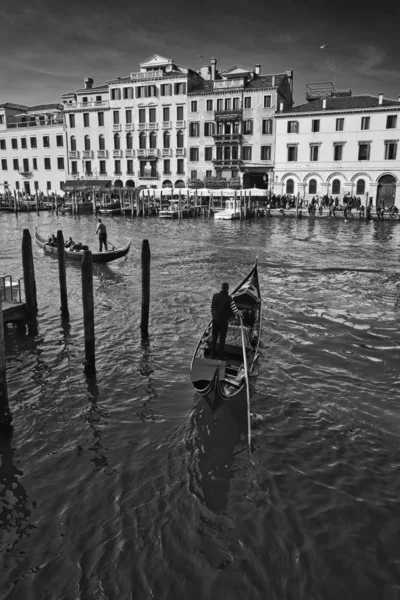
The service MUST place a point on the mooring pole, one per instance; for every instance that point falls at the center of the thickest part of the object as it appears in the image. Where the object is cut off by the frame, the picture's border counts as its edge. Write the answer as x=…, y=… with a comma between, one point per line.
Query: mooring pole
x=88, y=309
x=29, y=276
x=144, y=324
x=62, y=274
x=5, y=415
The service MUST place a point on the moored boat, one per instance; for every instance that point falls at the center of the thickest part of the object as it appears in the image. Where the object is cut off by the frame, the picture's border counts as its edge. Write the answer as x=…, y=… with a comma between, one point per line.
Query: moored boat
x=230, y=212
x=97, y=257
x=219, y=381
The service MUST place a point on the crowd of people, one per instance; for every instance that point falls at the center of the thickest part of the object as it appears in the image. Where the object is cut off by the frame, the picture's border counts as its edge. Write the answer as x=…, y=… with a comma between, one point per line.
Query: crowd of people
x=69, y=244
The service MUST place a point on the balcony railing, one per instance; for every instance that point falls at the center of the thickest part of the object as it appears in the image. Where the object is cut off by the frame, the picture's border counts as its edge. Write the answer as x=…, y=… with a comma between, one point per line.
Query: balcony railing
x=181, y=152
x=166, y=124
x=129, y=153
x=228, y=115
x=166, y=152
x=102, y=153
x=92, y=104
x=116, y=127
x=87, y=154
x=117, y=153
x=119, y=173
x=73, y=154
x=145, y=152
x=39, y=122
x=226, y=161
x=227, y=137
x=147, y=75
x=129, y=126
x=180, y=124
x=148, y=176
x=143, y=126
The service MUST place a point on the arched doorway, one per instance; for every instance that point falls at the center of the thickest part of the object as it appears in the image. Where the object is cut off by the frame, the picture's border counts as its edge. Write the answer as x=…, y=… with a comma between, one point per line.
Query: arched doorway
x=130, y=183
x=118, y=183
x=179, y=184
x=167, y=183
x=386, y=190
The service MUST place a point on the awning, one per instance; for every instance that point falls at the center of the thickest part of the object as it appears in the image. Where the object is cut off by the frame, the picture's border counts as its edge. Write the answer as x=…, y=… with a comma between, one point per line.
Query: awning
x=78, y=185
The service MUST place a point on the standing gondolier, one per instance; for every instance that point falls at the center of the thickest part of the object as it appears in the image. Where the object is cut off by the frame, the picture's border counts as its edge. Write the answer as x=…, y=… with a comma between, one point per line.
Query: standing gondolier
x=223, y=308
x=102, y=232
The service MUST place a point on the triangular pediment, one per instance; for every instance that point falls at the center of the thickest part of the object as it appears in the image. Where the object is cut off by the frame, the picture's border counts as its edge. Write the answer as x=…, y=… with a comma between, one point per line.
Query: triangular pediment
x=236, y=71
x=156, y=60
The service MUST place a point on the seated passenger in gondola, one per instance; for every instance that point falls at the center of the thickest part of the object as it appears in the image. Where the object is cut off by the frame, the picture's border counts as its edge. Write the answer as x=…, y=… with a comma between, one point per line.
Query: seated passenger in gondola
x=52, y=241
x=77, y=246
x=69, y=243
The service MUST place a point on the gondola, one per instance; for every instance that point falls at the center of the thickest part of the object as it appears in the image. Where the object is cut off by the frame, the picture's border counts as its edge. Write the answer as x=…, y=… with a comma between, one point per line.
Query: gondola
x=219, y=381
x=97, y=257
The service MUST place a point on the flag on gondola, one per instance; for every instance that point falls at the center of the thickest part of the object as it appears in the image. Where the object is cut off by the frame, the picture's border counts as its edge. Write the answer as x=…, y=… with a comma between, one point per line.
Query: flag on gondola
x=323, y=47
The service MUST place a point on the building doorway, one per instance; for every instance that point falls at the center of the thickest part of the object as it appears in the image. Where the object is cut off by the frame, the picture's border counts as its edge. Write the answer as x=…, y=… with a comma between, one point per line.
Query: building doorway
x=27, y=188
x=258, y=180
x=386, y=190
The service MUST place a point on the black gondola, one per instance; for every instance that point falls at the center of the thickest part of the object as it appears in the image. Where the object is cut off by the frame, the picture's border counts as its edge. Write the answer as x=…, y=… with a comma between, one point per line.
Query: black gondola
x=97, y=257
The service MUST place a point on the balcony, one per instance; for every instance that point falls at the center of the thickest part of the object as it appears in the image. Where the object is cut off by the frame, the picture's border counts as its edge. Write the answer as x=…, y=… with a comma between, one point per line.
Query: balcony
x=102, y=153
x=180, y=124
x=148, y=176
x=166, y=152
x=116, y=127
x=227, y=162
x=87, y=154
x=228, y=115
x=129, y=127
x=227, y=138
x=129, y=153
x=83, y=105
x=180, y=152
x=147, y=153
x=73, y=154
x=49, y=120
x=117, y=173
x=143, y=126
x=140, y=76
x=166, y=124
x=324, y=89
x=117, y=153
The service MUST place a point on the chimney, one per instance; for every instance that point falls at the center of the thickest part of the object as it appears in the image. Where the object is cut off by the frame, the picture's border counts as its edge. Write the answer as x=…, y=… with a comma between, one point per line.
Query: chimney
x=281, y=107
x=88, y=83
x=213, y=62
x=273, y=81
x=324, y=103
x=257, y=68
x=381, y=98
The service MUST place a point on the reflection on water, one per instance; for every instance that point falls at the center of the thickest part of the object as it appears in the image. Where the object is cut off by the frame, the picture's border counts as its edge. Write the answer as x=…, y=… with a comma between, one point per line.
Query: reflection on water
x=122, y=484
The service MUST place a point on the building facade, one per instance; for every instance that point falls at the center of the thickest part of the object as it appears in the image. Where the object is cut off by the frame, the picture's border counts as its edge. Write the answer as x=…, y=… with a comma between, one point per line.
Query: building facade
x=340, y=145
x=32, y=148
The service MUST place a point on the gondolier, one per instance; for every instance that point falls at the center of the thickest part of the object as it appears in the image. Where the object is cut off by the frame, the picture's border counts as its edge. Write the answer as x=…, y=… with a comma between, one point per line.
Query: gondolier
x=223, y=308
x=102, y=232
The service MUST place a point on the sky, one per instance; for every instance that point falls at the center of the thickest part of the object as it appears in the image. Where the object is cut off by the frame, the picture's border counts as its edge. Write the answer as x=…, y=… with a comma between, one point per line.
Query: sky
x=48, y=47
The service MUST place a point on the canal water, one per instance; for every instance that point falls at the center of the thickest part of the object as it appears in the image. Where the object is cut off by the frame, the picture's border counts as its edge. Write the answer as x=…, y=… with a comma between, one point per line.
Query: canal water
x=123, y=486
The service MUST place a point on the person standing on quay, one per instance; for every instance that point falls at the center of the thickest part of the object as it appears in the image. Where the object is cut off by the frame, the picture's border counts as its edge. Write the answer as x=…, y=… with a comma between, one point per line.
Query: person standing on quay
x=102, y=232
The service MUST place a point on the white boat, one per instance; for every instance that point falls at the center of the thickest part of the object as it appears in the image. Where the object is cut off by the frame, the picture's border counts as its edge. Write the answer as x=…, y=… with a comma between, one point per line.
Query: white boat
x=230, y=212
x=173, y=211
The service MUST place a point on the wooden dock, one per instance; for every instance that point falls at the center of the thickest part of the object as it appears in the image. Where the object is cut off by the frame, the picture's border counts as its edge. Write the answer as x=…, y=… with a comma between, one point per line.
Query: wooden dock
x=13, y=311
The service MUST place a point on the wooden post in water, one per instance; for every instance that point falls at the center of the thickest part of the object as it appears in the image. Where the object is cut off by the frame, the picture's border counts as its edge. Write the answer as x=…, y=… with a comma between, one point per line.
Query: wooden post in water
x=144, y=323
x=297, y=205
x=180, y=204
x=94, y=202
x=88, y=310
x=15, y=203
x=29, y=275
x=37, y=202
x=5, y=415
x=62, y=274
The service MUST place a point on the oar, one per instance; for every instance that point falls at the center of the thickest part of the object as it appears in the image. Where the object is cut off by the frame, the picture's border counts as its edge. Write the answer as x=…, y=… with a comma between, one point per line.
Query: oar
x=247, y=386
x=111, y=244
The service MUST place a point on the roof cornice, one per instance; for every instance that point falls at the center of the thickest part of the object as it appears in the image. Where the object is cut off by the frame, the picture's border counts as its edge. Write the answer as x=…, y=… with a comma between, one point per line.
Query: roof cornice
x=327, y=111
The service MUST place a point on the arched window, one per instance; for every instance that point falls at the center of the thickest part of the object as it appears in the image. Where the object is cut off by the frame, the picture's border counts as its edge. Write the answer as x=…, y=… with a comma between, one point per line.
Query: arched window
x=73, y=143
x=142, y=140
x=312, y=186
x=360, y=188
x=290, y=186
x=87, y=142
x=179, y=139
x=102, y=144
x=117, y=142
x=153, y=139
x=336, y=186
x=166, y=140
x=129, y=141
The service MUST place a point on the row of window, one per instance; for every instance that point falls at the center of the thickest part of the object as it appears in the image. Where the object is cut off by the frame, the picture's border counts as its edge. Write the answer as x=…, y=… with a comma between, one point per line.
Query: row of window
x=335, y=189
x=294, y=127
x=144, y=139
x=364, y=151
x=32, y=142
x=229, y=153
x=102, y=170
x=25, y=164
x=150, y=113
x=229, y=103
x=27, y=185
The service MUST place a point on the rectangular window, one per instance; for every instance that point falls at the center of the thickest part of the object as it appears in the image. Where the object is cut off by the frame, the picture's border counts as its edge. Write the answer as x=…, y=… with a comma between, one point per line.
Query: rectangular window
x=265, y=152
x=236, y=103
x=292, y=153
x=338, y=152
x=179, y=113
x=314, y=152
x=267, y=126
x=167, y=167
x=293, y=127
x=208, y=174
x=193, y=106
x=220, y=104
x=46, y=141
x=166, y=89
x=102, y=165
x=208, y=128
x=59, y=141
x=36, y=185
x=15, y=164
x=47, y=164
x=363, y=151
x=60, y=162
x=180, y=166
x=267, y=101
x=227, y=153
x=180, y=88
x=34, y=164
x=315, y=125
x=88, y=167
x=194, y=129
x=365, y=122
x=72, y=121
x=2, y=144
x=152, y=115
x=128, y=93
x=129, y=167
x=17, y=185
x=246, y=152
x=193, y=175
x=74, y=167
x=117, y=167
x=25, y=163
x=116, y=117
x=209, y=105
x=1, y=119
x=248, y=127
x=166, y=113
x=128, y=115
x=14, y=144
x=247, y=102
x=48, y=185
x=86, y=122
x=390, y=150
x=33, y=142
x=219, y=152
x=208, y=152
x=228, y=104
x=100, y=119
x=391, y=121
x=142, y=115
x=339, y=124
x=24, y=144
x=115, y=94
x=194, y=154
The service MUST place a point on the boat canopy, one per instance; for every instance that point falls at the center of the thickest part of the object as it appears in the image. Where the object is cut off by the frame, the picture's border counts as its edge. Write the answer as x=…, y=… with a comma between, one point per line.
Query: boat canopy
x=79, y=185
x=191, y=193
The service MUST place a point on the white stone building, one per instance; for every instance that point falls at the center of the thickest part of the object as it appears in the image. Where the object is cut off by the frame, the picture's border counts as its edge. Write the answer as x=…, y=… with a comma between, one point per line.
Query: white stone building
x=337, y=145
x=32, y=148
